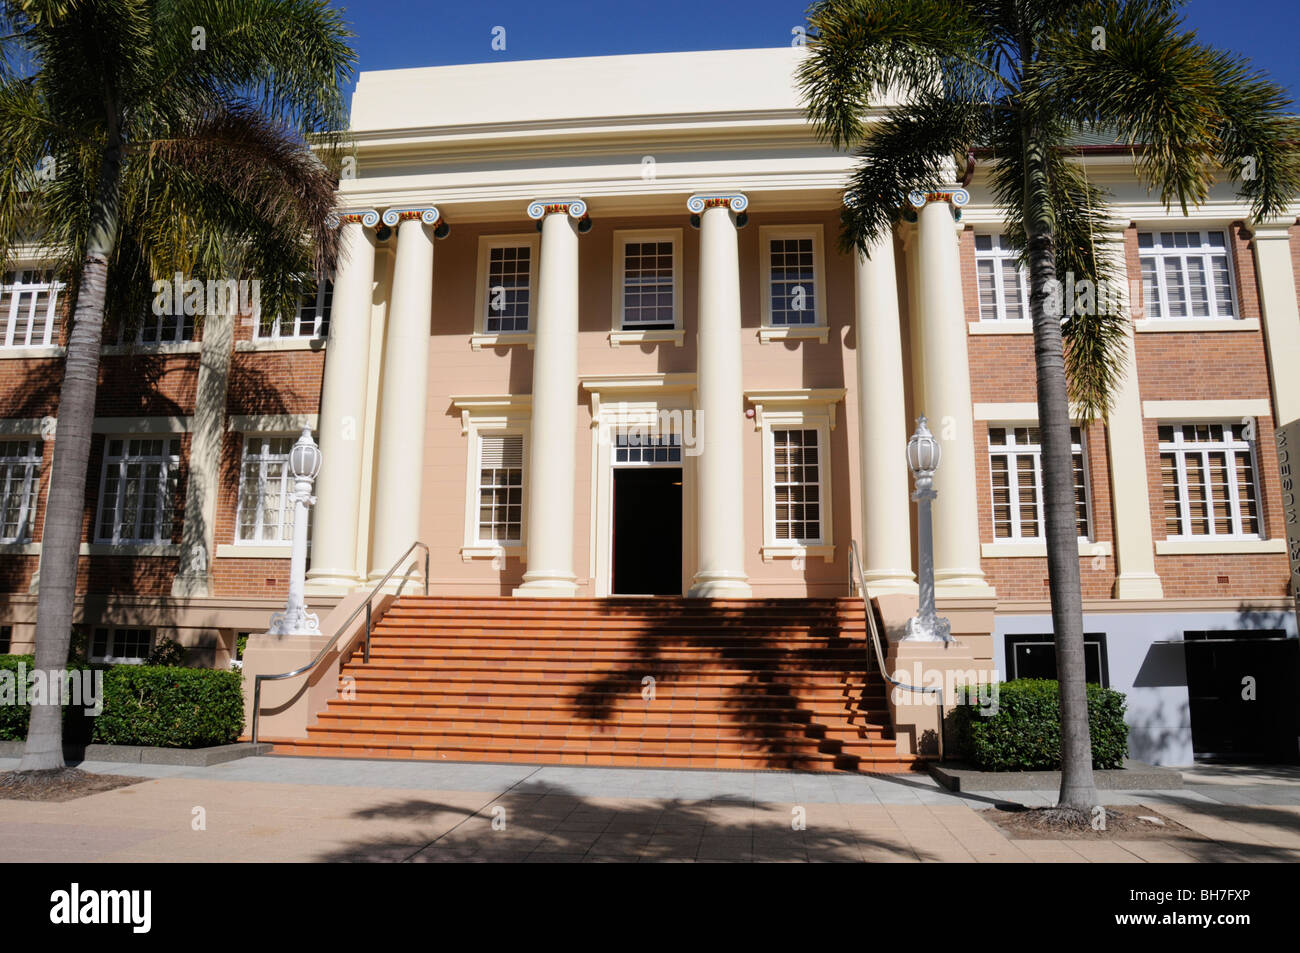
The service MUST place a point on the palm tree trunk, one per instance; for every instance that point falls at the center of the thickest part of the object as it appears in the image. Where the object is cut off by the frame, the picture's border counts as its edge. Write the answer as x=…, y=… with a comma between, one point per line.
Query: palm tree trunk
x=65, y=505
x=1078, y=789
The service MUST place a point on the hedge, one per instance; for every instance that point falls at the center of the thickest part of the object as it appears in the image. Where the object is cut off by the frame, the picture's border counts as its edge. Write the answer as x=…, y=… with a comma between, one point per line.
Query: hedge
x=1025, y=732
x=168, y=707
x=14, y=717
x=158, y=706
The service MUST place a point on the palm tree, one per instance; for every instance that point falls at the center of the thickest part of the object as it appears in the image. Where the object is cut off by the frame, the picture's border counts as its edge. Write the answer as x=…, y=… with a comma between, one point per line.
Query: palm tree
x=1020, y=80
x=145, y=138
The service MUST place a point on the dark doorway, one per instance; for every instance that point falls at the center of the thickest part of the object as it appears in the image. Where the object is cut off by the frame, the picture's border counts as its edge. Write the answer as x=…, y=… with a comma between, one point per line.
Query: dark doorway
x=1224, y=668
x=647, y=531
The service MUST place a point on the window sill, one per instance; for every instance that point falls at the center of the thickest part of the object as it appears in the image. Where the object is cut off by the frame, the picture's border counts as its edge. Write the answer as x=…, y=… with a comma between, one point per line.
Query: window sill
x=130, y=549
x=480, y=341
x=1218, y=547
x=1148, y=325
x=1000, y=327
x=281, y=344
x=20, y=549
x=468, y=553
x=37, y=350
x=254, y=551
x=1015, y=549
x=166, y=347
x=619, y=338
x=826, y=552
x=819, y=331
x=116, y=660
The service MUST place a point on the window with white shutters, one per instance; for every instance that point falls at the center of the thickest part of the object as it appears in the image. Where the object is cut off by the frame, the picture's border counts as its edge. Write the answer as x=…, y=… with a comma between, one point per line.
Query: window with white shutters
x=1208, y=475
x=29, y=308
x=1186, y=275
x=501, y=489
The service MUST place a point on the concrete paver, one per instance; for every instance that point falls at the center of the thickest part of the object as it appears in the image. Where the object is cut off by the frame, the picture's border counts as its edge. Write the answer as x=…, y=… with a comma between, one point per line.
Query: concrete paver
x=299, y=809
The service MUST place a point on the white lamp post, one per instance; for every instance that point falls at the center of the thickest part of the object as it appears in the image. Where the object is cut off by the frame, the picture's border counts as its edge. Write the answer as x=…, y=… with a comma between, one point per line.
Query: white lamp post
x=304, y=464
x=923, y=459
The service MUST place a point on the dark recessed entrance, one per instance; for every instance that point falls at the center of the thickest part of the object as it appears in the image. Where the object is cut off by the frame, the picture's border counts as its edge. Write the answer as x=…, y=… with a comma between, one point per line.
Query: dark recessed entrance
x=1242, y=686
x=647, y=531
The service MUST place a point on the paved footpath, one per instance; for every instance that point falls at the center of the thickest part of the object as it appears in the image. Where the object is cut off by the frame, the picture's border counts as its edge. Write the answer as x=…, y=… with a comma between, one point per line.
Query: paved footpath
x=308, y=809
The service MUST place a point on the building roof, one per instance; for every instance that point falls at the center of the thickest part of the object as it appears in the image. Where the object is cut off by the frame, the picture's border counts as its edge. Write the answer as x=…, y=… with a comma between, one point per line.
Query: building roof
x=581, y=88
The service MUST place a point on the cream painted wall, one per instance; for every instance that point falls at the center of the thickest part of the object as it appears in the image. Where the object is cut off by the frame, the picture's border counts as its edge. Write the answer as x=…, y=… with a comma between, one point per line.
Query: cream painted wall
x=457, y=370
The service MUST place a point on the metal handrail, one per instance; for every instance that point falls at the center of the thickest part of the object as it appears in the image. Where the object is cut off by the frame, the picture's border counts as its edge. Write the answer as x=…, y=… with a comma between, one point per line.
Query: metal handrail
x=859, y=579
x=257, y=681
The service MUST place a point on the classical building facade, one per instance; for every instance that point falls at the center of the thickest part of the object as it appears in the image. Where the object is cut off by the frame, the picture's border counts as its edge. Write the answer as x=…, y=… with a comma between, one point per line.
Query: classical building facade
x=591, y=334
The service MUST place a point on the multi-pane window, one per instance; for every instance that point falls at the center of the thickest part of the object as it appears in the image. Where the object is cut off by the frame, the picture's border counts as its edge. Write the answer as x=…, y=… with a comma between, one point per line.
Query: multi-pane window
x=20, y=479
x=792, y=281
x=6, y=638
x=501, y=489
x=637, y=446
x=138, y=491
x=648, y=285
x=509, y=269
x=311, y=317
x=1186, y=275
x=1016, y=462
x=121, y=645
x=1003, y=288
x=265, y=485
x=796, y=485
x=1208, y=475
x=164, y=327
x=28, y=306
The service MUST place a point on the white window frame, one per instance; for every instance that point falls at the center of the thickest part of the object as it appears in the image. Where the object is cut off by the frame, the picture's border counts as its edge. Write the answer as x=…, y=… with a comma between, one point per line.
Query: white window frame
x=1229, y=447
x=482, y=337
x=622, y=333
x=479, y=541
x=111, y=644
x=286, y=490
x=324, y=288
x=805, y=409
x=1205, y=252
x=1002, y=257
x=169, y=462
x=492, y=415
x=1035, y=451
x=19, y=292
x=819, y=328
x=30, y=487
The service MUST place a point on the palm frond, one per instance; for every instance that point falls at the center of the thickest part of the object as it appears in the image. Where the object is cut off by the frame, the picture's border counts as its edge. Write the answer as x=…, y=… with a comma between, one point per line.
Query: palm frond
x=861, y=51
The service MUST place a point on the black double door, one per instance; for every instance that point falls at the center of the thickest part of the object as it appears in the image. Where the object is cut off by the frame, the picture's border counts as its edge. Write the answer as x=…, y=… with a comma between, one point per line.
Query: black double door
x=1244, y=694
x=647, y=531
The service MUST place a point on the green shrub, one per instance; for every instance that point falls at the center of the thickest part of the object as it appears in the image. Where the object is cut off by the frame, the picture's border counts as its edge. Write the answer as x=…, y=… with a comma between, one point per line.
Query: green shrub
x=170, y=707
x=167, y=652
x=1025, y=733
x=14, y=717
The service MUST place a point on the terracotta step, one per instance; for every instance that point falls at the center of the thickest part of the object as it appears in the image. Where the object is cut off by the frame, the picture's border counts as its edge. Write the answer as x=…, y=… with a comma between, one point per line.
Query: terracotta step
x=877, y=763
x=772, y=683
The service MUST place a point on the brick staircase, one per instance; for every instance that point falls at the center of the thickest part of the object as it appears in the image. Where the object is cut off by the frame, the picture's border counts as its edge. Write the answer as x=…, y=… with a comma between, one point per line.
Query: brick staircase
x=774, y=683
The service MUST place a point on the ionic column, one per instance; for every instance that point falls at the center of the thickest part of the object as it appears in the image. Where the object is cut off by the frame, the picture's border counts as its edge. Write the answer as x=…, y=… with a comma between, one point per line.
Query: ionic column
x=882, y=425
x=343, y=409
x=1135, y=559
x=946, y=399
x=1277, y=303
x=553, y=438
x=720, y=467
x=399, y=476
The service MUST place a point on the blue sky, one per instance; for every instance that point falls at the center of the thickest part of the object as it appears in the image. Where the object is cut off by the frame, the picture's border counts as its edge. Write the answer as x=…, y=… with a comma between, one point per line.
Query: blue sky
x=402, y=33
x=408, y=33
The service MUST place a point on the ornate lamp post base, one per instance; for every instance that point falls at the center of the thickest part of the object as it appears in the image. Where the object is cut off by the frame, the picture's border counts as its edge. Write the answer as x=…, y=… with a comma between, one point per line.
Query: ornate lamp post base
x=933, y=629
x=299, y=622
